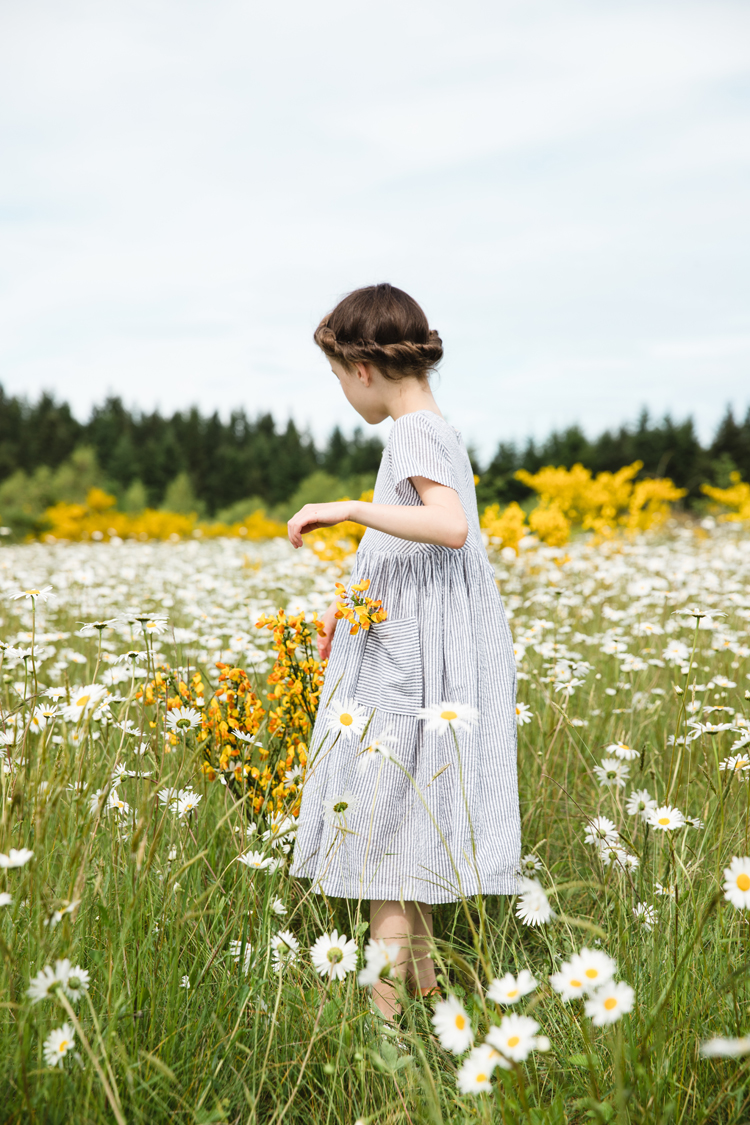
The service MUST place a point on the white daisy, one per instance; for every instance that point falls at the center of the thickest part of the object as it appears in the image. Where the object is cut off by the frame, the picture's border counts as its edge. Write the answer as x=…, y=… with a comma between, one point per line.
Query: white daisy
x=381, y=959
x=41, y=595
x=666, y=818
x=381, y=748
x=183, y=719
x=347, y=718
x=76, y=982
x=622, y=751
x=530, y=864
x=516, y=1037
x=42, y=985
x=612, y=772
x=58, y=1043
x=593, y=966
x=510, y=989
x=599, y=830
x=235, y=952
x=443, y=716
x=334, y=956
x=524, y=714
x=257, y=860
x=278, y=907
x=639, y=803
x=285, y=949
x=187, y=803
x=533, y=907
x=721, y=1048
x=473, y=1075
x=5, y=898
x=452, y=1025
x=737, y=882
x=83, y=702
x=569, y=981
x=645, y=915
x=16, y=857
x=339, y=811
x=737, y=763
x=609, y=1003
x=185, y=982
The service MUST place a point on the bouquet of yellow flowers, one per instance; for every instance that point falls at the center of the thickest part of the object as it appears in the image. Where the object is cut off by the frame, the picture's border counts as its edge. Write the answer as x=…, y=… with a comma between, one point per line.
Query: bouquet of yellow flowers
x=360, y=611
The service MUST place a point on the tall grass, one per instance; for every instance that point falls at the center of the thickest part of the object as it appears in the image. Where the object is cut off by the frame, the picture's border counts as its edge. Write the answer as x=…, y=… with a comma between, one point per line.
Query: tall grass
x=160, y=897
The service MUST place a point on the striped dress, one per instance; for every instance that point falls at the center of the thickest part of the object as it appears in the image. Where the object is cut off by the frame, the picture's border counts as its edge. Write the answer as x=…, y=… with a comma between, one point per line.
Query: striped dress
x=443, y=821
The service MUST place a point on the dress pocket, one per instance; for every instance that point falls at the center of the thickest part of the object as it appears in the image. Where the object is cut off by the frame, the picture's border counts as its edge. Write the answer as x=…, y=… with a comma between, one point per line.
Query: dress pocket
x=390, y=675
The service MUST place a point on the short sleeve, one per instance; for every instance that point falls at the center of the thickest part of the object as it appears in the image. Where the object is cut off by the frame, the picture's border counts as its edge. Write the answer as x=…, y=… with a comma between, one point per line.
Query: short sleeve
x=418, y=449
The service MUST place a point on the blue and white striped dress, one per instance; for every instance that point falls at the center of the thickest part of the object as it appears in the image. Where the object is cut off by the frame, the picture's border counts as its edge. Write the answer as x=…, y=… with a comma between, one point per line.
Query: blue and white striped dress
x=445, y=823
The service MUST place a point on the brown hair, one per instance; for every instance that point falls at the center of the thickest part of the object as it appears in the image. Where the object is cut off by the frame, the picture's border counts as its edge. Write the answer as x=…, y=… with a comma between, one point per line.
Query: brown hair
x=382, y=325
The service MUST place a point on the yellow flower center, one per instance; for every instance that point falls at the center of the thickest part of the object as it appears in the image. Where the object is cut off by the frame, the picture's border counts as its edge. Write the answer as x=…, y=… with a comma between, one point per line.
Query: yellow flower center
x=743, y=882
x=31, y=593
x=460, y=1023
x=575, y=984
x=83, y=701
x=513, y=992
x=63, y=1046
x=513, y=1041
x=592, y=974
x=481, y=1077
x=449, y=716
x=346, y=720
x=663, y=820
x=610, y=1003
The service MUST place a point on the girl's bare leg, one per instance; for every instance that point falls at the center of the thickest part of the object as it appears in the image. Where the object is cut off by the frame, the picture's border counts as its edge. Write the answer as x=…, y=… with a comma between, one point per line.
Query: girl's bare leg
x=411, y=928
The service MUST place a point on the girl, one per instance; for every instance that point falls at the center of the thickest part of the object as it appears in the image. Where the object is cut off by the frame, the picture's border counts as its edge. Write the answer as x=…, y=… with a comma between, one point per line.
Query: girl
x=411, y=792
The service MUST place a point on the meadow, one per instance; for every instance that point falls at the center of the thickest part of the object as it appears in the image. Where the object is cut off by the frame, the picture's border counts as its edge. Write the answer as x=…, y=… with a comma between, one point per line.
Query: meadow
x=158, y=962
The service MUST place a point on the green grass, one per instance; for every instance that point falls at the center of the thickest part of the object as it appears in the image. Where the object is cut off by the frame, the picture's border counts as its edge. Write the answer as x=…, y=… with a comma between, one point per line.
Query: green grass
x=272, y=1047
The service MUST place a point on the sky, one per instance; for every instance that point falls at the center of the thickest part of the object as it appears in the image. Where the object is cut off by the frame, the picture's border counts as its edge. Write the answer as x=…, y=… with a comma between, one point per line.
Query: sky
x=187, y=186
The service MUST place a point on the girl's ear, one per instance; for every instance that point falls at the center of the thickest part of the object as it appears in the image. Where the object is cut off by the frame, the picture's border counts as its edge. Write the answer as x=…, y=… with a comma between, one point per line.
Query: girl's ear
x=364, y=374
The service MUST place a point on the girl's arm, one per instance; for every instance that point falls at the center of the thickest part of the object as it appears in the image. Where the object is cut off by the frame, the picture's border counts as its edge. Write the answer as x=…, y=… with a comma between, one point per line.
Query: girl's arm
x=440, y=519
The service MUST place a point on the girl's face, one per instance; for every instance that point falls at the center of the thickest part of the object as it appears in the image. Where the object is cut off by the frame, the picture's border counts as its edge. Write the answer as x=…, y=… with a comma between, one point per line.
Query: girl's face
x=365, y=390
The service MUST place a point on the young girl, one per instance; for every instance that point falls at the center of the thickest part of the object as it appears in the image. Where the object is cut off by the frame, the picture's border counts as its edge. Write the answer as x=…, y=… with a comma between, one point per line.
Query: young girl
x=411, y=792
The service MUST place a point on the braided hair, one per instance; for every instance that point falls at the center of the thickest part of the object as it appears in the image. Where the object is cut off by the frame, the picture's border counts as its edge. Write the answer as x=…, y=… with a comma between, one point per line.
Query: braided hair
x=382, y=325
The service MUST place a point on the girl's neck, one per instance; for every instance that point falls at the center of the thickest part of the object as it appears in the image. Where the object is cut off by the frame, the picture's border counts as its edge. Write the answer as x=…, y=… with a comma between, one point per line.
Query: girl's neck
x=412, y=395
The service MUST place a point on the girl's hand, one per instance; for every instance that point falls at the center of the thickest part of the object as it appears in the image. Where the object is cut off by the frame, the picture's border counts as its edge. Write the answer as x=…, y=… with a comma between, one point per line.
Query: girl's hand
x=330, y=621
x=313, y=516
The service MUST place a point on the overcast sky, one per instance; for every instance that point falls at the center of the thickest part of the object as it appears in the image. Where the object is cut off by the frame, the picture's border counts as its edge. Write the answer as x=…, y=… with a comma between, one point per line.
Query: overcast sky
x=188, y=185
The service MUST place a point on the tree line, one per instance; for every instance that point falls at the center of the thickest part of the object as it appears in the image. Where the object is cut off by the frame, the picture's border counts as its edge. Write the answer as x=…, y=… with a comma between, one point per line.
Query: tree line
x=226, y=467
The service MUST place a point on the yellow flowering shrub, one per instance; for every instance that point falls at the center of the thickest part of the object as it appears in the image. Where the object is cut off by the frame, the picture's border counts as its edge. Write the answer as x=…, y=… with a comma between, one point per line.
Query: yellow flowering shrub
x=506, y=528
x=363, y=611
x=335, y=544
x=549, y=524
x=98, y=518
x=737, y=496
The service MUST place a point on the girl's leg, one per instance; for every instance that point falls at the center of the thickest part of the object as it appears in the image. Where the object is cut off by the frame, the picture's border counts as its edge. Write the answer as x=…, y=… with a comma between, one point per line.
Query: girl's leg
x=389, y=923
x=422, y=966
x=411, y=927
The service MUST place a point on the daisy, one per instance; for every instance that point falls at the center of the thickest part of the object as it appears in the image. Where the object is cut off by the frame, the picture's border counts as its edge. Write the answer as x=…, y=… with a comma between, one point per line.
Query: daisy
x=666, y=818
x=622, y=751
x=380, y=960
x=737, y=882
x=721, y=1048
x=167, y=796
x=43, y=594
x=509, y=989
x=516, y=1037
x=452, y=1025
x=16, y=857
x=185, y=982
x=280, y=828
x=738, y=762
x=599, y=830
x=76, y=981
x=645, y=915
x=278, y=907
x=694, y=822
x=568, y=981
x=285, y=948
x=235, y=952
x=183, y=719
x=473, y=1076
x=609, y=1002
x=334, y=956
x=337, y=811
x=347, y=718
x=153, y=624
x=5, y=898
x=42, y=985
x=661, y=890
x=442, y=716
x=83, y=702
x=255, y=859
x=593, y=966
x=612, y=772
x=524, y=714
x=639, y=803
x=132, y=656
x=530, y=864
x=533, y=906
x=676, y=652
x=41, y=716
x=612, y=853
x=379, y=748
x=187, y=802
x=58, y=1043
